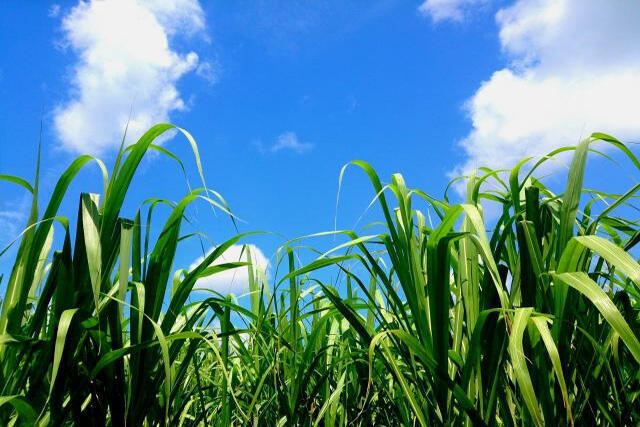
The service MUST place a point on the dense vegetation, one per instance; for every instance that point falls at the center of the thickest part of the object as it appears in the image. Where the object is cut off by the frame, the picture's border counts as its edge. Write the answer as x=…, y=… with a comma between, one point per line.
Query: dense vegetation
x=432, y=320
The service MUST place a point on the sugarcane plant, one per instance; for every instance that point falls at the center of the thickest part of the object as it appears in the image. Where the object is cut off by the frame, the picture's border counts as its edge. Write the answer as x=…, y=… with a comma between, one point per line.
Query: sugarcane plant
x=435, y=316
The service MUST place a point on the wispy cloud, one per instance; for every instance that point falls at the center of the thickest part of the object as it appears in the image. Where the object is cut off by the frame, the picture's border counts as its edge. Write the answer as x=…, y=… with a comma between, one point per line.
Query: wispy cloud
x=13, y=218
x=452, y=10
x=125, y=63
x=207, y=71
x=287, y=141
x=54, y=10
x=10, y=222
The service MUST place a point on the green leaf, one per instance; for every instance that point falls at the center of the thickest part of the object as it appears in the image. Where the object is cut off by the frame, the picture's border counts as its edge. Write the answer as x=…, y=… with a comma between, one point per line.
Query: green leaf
x=22, y=407
x=518, y=361
x=590, y=289
x=61, y=336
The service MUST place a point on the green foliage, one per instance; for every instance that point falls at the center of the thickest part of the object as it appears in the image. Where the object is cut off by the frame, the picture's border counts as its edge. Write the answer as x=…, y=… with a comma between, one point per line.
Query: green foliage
x=534, y=322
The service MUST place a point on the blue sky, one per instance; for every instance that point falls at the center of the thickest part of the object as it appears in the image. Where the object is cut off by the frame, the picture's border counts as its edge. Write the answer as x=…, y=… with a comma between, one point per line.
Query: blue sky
x=280, y=95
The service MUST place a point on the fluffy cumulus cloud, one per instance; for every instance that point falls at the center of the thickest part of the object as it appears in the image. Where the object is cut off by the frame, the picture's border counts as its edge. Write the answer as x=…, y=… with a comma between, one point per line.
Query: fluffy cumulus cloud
x=235, y=280
x=574, y=69
x=125, y=67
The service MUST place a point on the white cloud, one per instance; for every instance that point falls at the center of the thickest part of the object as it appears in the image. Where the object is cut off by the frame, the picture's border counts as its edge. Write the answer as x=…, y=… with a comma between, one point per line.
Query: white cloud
x=575, y=69
x=454, y=10
x=125, y=62
x=290, y=141
x=235, y=280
